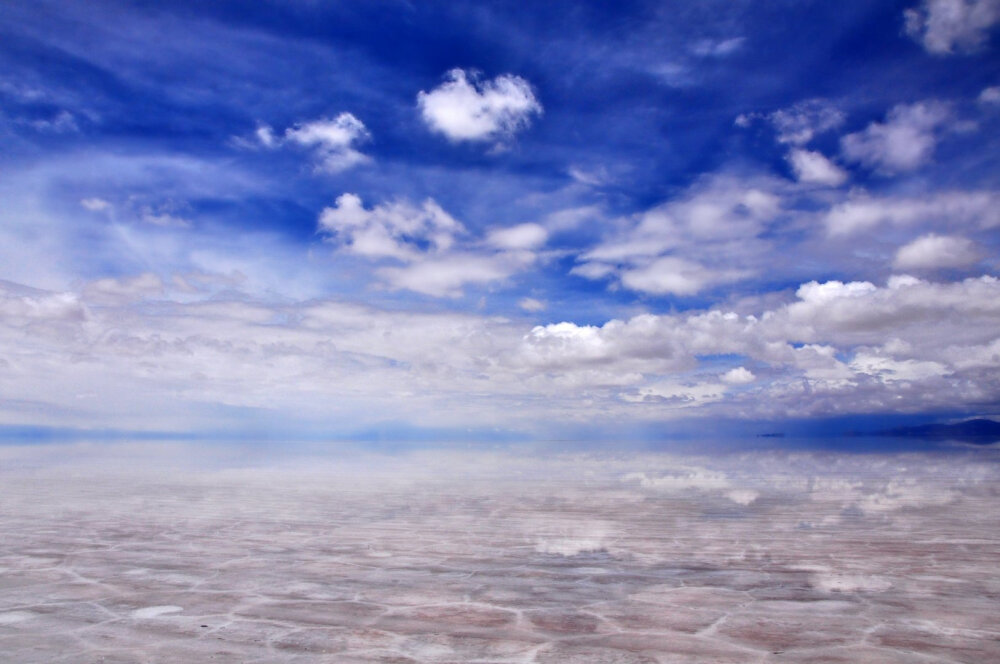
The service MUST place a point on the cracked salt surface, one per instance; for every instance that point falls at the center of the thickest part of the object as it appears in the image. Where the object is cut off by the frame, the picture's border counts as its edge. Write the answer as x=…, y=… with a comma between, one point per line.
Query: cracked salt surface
x=154, y=611
x=435, y=557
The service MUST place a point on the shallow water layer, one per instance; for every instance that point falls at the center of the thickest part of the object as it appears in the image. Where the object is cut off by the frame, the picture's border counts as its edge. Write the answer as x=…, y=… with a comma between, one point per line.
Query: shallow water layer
x=139, y=554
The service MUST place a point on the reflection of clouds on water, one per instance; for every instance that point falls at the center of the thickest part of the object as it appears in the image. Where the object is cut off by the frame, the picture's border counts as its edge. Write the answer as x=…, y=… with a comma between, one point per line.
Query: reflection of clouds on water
x=436, y=556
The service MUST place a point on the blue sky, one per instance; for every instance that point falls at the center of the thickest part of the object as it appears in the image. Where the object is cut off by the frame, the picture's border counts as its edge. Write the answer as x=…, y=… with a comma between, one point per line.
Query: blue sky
x=332, y=218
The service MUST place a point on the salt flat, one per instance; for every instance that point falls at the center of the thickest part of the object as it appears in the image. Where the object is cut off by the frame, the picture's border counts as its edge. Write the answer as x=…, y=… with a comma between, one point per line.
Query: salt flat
x=152, y=553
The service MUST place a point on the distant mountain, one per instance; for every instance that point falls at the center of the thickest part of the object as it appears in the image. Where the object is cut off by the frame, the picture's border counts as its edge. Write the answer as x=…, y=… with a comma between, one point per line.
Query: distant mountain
x=979, y=431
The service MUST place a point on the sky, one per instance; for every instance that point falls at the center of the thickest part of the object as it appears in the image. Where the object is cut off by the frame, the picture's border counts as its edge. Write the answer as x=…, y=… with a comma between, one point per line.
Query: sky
x=496, y=219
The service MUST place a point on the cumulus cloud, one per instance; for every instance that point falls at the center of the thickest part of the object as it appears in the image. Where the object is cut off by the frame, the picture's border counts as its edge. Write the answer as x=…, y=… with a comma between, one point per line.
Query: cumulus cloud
x=522, y=236
x=990, y=95
x=334, y=141
x=705, y=237
x=932, y=251
x=531, y=304
x=835, y=347
x=800, y=123
x=444, y=276
x=465, y=108
x=887, y=369
x=679, y=394
x=863, y=212
x=427, y=240
x=813, y=168
x=397, y=230
x=738, y=376
x=952, y=26
x=905, y=141
x=831, y=339
x=677, y=276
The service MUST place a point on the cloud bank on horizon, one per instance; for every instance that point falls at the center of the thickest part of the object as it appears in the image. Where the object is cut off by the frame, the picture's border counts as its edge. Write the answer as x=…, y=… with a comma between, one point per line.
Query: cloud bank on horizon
x=329, y=217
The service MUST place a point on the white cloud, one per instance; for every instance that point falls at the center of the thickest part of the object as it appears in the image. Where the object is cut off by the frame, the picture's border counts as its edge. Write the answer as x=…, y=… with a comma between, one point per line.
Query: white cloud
x=990, y=95
x=887, y=369
x=61, y=123
x=333, y=139
x=444, y=276
x=813, y=168
x=674, y=74
x=180, y=356
x=862, y=212
x=949, y=26
x=677, y=276
x=163, y=219
x=522, y=236
x=95, y=204
x=531, y=304
x=119, y=291
x=905, y=141
x=570, y=218
x=830, y=339
x=21, y=307
x=707, y=236
x=936, y=251
x=265, y=136
x=593, y=270
x=800, y=123
x=561, y=344
x=597, y=177
x=427, y=240
x=463, y=108
x=397, y=230
x=717, y=47
x=738, y=376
